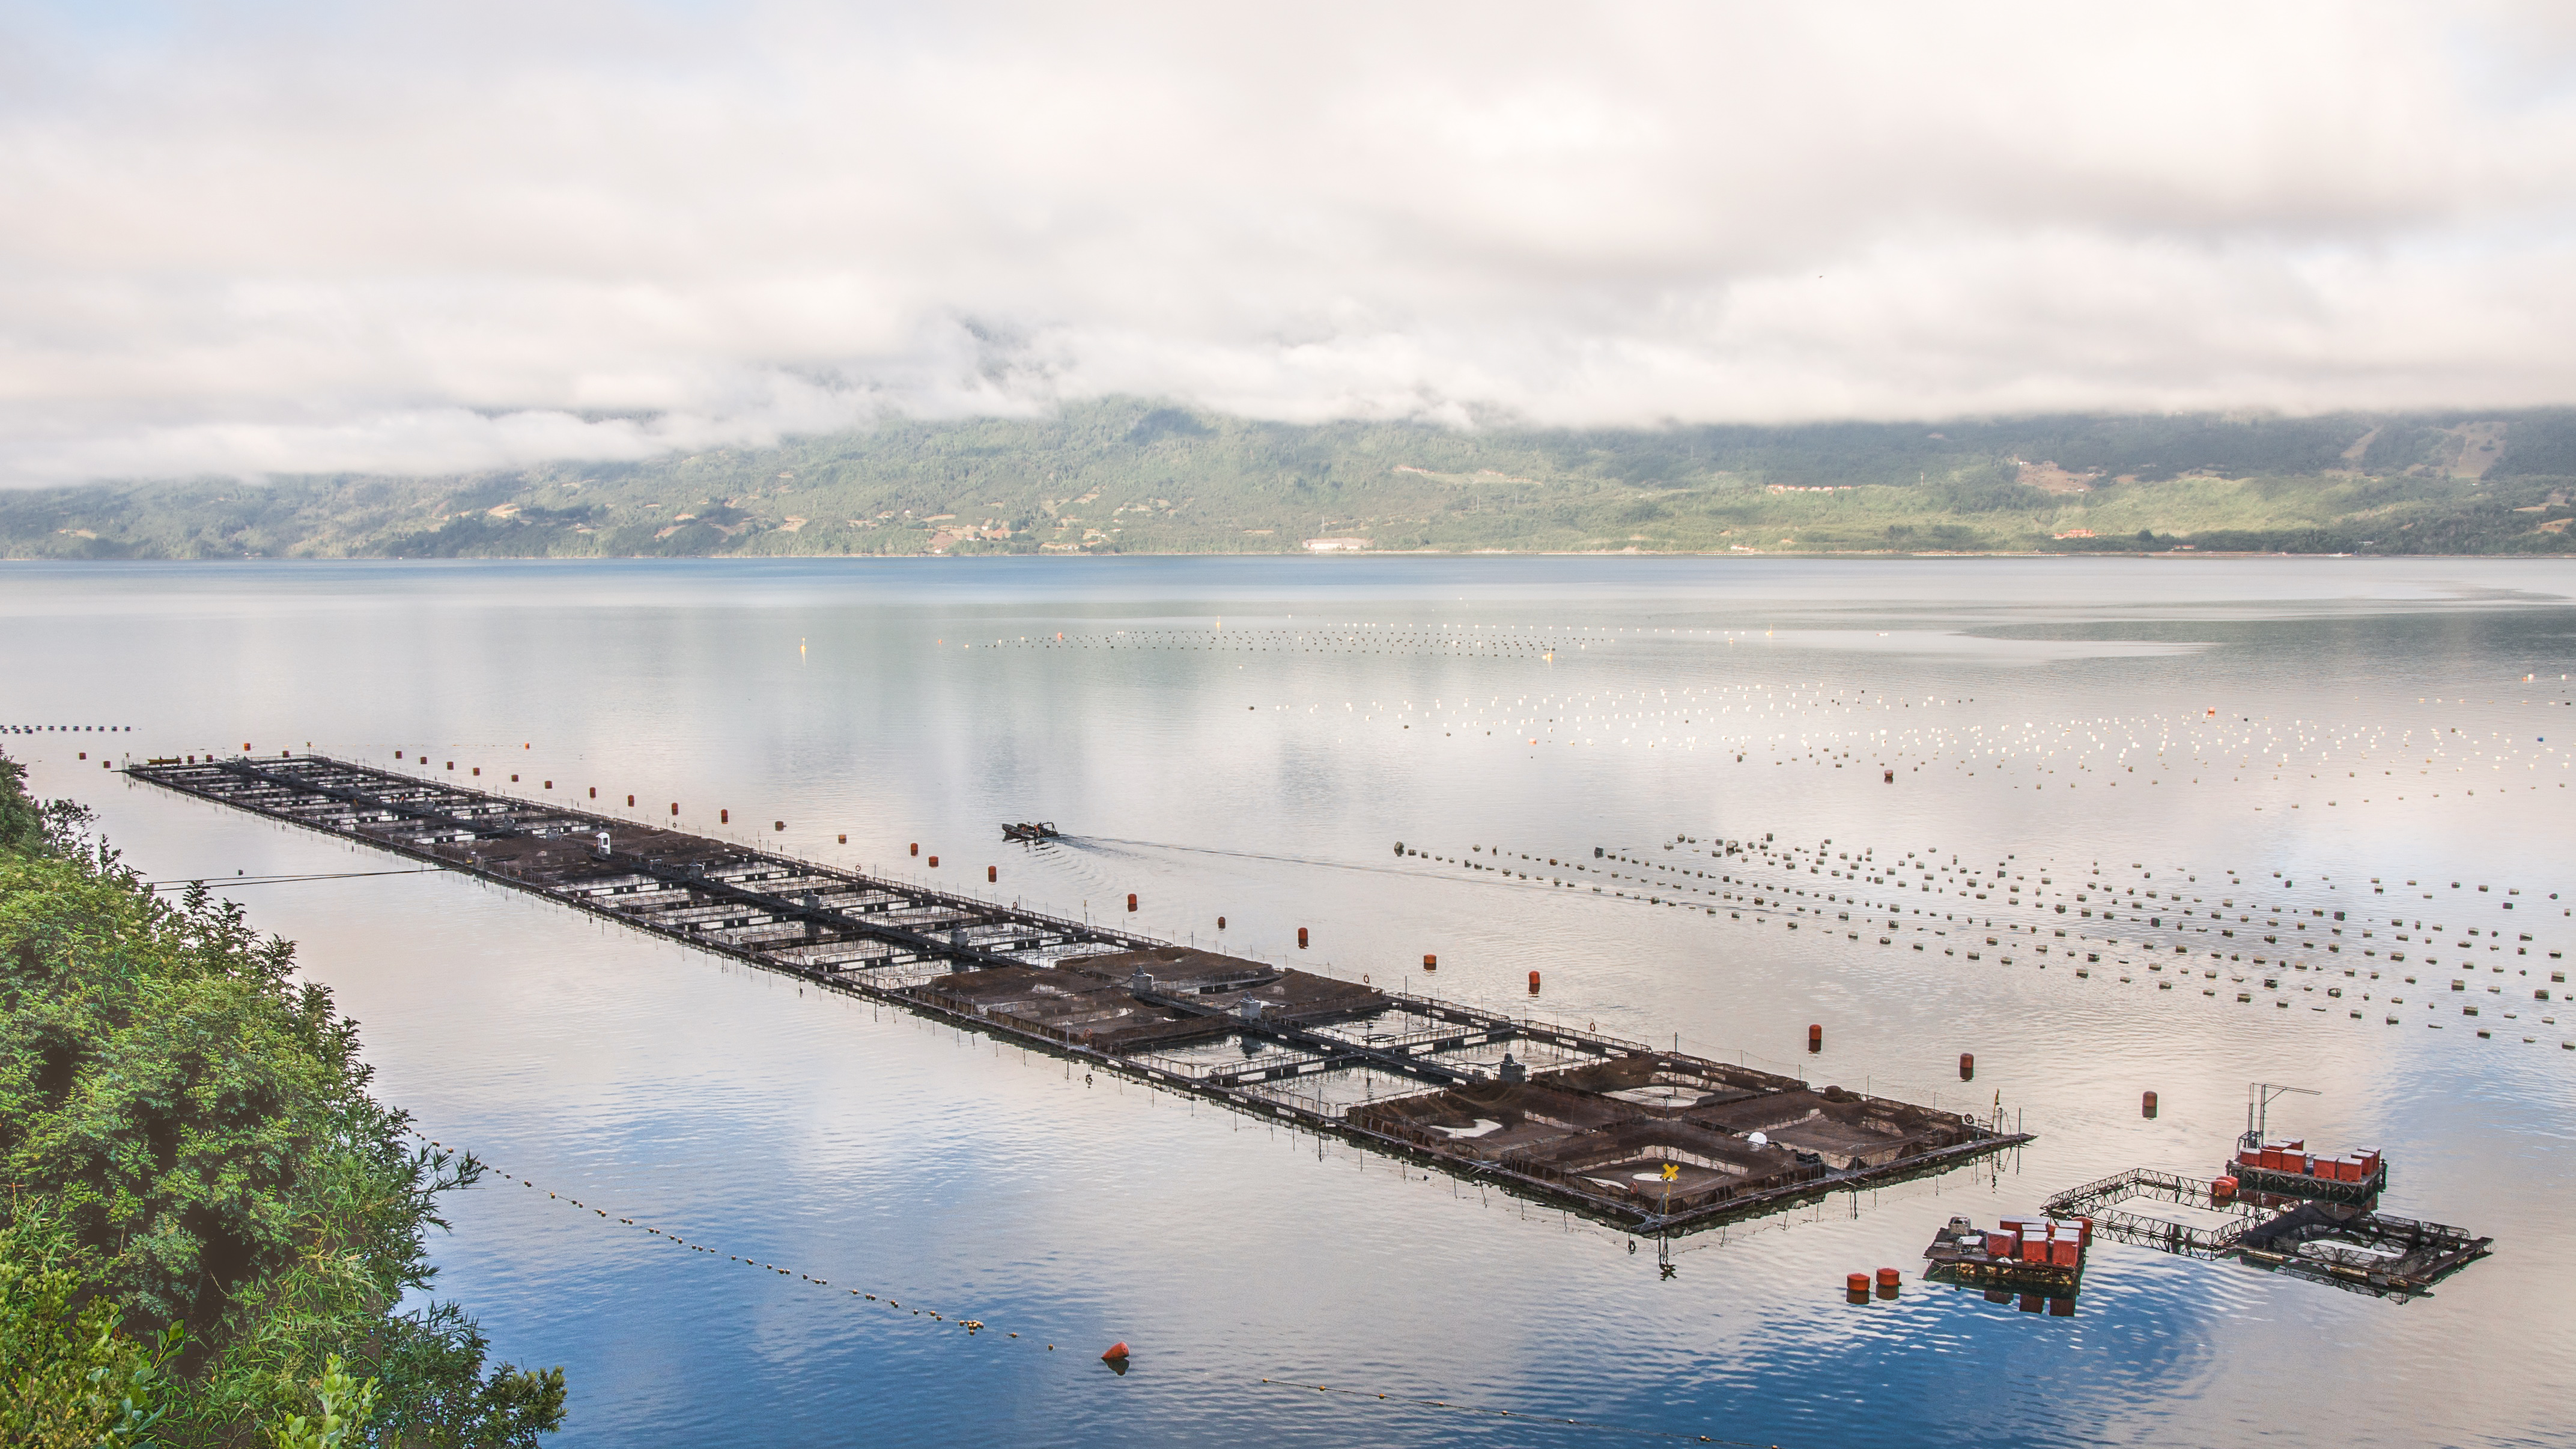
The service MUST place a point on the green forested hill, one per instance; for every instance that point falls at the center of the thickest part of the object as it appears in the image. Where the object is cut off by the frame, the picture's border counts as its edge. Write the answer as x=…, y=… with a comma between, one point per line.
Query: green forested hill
x=1134, y=476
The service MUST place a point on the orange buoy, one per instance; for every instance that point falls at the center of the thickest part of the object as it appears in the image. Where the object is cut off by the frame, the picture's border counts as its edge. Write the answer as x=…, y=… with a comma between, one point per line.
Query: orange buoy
x=992, y=873
x=1430, y=962
x=934, y=862
x=1117, y=1350
x=1815, y=1038
x=724, y=817
x=1967, y=1066
x=1533, y=983
x=1890, y=1278
x=1301, y=938
x=1131, y=901
x=916, y=847
x=2147, y=1105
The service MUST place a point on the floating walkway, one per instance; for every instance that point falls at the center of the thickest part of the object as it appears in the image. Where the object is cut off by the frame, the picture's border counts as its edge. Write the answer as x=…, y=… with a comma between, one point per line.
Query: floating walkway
x=1618, y=1130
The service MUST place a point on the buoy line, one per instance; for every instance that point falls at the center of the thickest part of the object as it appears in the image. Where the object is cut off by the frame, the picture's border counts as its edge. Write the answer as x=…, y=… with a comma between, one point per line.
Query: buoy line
x=973, y=1326
x=1527, y=1418
x=212, y=882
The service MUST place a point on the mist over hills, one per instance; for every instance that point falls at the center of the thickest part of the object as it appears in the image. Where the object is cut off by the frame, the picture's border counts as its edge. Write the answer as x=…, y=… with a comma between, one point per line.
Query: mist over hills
x=1130, y=475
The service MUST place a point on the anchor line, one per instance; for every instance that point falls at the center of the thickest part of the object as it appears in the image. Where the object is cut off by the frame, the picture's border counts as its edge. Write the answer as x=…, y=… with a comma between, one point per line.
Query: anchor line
x=215, y=882
x=1524, y=1417
x=973, y=1326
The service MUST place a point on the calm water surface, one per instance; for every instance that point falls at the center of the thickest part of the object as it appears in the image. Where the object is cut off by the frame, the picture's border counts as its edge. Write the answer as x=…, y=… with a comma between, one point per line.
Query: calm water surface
x=1249, y=739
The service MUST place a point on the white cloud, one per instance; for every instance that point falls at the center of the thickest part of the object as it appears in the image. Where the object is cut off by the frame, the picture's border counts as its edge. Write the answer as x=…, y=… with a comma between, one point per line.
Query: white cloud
x=396, y=240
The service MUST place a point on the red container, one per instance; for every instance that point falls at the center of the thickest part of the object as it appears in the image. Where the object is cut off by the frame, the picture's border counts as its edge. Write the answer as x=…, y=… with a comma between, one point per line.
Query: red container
x=2003, y=1245
x=2065, y=1254
x=2268, y=1159
x=2034, y=1250
x=2249, y=1157
x=2084, y=1231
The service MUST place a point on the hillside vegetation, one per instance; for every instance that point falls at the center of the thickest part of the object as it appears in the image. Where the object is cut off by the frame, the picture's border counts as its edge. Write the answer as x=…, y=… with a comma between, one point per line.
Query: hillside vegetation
x=1133, y=476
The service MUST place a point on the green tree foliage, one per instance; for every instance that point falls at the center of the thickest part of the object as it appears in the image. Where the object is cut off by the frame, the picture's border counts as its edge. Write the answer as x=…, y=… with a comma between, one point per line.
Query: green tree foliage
x=190, y=1127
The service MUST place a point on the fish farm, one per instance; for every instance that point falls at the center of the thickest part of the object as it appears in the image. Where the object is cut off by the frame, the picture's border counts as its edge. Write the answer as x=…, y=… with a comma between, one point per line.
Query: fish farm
x=1617, y=1130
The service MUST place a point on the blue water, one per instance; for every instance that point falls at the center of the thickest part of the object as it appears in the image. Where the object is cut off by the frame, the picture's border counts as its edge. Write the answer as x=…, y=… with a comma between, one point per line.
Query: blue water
x=1229, y=754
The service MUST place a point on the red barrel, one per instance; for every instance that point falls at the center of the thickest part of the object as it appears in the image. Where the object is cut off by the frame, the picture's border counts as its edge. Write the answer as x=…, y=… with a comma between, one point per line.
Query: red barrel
x=1533, y=983
x=1131, y=901
x=2147, y=1105
x=1890, y=1278
x=1815, y=1038
x=992, y=873
x=1857, y=1285
x=1967, y=1066
x=1301, y=938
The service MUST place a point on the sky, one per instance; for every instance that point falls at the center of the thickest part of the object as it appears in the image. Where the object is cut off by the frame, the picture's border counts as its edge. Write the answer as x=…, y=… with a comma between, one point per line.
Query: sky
x=253, y=238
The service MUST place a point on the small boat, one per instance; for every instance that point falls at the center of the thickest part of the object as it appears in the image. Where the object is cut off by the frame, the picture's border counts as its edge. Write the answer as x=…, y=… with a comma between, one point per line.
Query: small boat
x=1031, y=830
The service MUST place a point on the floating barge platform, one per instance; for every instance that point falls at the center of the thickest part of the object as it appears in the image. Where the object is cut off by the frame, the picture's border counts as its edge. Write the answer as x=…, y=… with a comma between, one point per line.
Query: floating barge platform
x=1620, y=1131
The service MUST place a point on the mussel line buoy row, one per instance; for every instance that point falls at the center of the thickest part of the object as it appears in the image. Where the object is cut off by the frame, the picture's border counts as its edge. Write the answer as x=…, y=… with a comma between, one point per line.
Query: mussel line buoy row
x=1118, y=1353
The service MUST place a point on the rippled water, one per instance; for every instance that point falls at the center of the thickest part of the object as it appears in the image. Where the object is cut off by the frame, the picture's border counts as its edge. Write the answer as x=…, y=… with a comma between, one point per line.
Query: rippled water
x=1249, y=739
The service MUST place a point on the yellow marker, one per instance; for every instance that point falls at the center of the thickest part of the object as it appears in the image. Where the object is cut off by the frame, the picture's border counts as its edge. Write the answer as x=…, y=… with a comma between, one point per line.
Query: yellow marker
x=1671, y=1172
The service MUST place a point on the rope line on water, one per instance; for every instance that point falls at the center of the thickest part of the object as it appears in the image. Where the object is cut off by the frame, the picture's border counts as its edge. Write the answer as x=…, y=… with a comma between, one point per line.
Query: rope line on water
x=212, y=882
x=973, y=1326
x=1524, y=1417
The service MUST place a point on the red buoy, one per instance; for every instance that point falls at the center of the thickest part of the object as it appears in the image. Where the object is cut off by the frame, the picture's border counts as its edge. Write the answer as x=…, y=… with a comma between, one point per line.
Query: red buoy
x=724, y=817
x=1967, y=1066
x=1117, y=1350
x=630, y=802
x=1857, y=1285
x=845, y=840
x=1131, y=901
x=916, y=847
x=1301, y=938
x=992, y=872
x=1815, y=1038
x=934, y=862
x=1890, y=1278
x=777, y=824
x=1533, y=983
x=1430, y=962
x=1220, y=923
x=2147, y=1105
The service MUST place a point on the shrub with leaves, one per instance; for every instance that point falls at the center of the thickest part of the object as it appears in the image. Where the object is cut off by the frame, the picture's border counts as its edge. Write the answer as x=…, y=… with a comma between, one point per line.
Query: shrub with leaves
x=191, y=1127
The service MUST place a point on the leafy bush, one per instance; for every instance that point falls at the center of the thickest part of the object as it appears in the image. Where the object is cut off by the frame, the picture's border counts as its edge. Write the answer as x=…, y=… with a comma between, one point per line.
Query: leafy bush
x=192, y=1143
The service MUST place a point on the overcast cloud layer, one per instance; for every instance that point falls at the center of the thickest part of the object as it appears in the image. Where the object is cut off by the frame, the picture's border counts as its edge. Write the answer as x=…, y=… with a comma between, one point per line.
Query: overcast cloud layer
x=244, y=239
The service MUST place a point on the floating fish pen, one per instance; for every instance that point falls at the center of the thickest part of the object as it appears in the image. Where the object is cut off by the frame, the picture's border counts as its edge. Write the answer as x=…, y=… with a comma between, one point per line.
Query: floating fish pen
x=2362, y=1250
x=1617, y=1130
x=2341, y=1242
x=2212, y=1229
